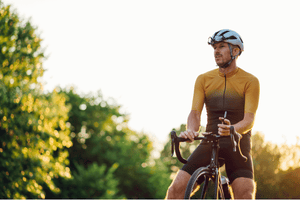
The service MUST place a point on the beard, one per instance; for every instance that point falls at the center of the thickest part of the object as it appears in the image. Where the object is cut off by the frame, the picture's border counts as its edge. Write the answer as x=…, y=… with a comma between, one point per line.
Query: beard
x=223, y=64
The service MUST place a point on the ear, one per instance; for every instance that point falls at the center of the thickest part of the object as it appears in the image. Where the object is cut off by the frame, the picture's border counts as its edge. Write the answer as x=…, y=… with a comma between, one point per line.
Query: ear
x=236, y=51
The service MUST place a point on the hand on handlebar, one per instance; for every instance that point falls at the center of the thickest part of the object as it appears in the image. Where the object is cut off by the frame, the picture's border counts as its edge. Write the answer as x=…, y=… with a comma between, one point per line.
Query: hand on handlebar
x=224, y=128
x=189, y=134
x=235, y=141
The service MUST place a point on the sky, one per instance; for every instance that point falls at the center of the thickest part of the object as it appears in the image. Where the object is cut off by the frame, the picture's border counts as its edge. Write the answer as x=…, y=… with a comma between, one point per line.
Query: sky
x=147, y=54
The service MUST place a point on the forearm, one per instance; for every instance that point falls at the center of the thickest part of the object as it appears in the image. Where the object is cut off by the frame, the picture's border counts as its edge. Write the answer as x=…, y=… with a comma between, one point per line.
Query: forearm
x=194, y=120
x=246, y=124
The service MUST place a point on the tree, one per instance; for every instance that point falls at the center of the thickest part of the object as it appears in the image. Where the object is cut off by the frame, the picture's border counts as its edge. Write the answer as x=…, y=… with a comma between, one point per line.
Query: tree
x=266, y=161
x=289, y=184
x=34, y=134
x=290, y=171
x=95, y=181
x=101, y=137
x=38, y=129
x=276, y=168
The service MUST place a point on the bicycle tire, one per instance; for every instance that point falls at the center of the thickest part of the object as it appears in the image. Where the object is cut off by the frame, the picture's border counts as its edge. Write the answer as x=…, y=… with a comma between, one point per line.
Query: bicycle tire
x=202, y=171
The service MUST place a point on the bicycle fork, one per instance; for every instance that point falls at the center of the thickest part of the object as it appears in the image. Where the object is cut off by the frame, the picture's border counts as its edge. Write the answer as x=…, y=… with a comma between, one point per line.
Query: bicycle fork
x=219, y=193
x=205, y=186
x=218, y=190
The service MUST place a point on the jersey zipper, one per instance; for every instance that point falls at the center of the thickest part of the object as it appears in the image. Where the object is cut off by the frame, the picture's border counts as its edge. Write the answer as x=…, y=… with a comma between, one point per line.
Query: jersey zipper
x=224, y=93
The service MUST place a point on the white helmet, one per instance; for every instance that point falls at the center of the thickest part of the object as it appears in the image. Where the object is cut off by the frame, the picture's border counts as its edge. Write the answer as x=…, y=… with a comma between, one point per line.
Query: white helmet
x=229, y=36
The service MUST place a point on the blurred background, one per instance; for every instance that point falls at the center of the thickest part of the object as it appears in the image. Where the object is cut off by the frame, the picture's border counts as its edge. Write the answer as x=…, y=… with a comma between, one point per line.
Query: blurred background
x=90, y=91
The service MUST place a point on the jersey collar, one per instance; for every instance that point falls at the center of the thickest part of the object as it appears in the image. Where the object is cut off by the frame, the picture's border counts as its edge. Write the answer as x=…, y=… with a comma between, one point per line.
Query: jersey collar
x=229, y=74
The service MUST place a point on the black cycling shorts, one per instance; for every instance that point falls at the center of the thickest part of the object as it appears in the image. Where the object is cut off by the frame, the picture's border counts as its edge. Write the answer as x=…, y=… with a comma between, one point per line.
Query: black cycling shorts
x=235, y=166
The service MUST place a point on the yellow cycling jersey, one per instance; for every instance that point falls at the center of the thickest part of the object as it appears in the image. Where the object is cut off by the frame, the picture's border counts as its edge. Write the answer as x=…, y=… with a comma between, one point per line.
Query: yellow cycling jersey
x=236, y=92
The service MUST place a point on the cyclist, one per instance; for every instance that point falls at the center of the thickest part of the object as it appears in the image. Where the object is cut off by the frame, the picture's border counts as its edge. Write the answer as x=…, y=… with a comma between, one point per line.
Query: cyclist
x=231, y=89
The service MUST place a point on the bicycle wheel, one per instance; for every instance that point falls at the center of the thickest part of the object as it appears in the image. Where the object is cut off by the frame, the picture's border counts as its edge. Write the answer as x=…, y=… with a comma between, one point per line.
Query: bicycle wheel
x=200, y=173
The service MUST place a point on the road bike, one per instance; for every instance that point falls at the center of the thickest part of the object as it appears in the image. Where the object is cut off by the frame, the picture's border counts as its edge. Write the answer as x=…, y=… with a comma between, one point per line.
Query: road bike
x=210, y=173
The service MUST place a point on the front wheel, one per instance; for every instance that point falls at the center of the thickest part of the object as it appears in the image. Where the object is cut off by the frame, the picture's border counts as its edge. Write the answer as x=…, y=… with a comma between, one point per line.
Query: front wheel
x=200, y=174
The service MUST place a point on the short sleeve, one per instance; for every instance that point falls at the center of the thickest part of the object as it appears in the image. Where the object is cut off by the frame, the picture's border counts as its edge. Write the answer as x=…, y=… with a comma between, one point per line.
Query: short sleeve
x=252, y=95
x=199, y=94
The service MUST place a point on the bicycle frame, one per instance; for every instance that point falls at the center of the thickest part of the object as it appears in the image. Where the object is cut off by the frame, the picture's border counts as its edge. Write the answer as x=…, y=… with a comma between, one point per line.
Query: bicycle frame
x=213, y=167
x=214, y=163
x=214, y=170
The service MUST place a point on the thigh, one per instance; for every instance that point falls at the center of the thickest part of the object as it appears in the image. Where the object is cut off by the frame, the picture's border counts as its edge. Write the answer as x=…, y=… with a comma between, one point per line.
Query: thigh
x=199, y=158
x=235, y=166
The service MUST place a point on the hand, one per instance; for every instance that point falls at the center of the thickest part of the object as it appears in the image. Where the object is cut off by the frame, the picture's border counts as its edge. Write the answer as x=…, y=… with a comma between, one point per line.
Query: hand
x=224, y=128
x=189, y=134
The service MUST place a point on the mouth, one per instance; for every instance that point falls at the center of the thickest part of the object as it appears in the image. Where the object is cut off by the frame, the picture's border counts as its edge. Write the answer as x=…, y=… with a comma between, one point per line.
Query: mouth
x=218, y=56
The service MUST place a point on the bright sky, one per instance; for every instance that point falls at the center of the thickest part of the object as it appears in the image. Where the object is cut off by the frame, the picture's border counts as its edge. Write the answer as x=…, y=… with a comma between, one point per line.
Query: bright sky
x=147, y=54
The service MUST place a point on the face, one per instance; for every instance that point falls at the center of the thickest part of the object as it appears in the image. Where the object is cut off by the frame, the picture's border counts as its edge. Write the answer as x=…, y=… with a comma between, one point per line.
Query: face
x=222, y=53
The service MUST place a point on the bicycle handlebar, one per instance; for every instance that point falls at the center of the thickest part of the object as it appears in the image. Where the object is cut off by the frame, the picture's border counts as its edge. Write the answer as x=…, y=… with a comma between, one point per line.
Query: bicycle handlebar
x=235, y=141
x=175, y=142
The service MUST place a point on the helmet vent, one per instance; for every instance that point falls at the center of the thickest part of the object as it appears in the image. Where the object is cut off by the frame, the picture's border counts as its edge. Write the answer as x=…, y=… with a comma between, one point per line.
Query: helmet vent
x=231, y=38
x=224, y=33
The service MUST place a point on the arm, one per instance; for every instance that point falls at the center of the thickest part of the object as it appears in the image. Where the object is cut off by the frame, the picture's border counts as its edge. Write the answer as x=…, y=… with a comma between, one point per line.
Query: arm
x=246, y=124
x=242, y=127
x=193, y=125
x=194, y=121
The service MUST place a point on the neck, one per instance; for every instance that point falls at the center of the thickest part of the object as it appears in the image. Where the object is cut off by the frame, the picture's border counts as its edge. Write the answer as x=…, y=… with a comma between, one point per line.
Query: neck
x=230, y=68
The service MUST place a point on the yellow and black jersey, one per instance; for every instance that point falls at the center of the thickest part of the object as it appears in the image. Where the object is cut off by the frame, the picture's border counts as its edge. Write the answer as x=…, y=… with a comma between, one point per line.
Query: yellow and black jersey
x=236, y=92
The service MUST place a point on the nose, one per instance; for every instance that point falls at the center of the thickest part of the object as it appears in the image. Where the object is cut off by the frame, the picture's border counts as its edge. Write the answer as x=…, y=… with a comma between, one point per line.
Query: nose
x=217, y=52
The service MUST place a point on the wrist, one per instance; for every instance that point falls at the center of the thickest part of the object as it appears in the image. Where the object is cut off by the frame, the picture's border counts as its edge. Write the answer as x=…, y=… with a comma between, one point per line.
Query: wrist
x=191, y=130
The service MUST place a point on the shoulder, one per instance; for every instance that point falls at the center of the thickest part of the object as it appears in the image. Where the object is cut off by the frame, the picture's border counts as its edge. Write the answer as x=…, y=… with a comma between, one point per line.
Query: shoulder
x=213, y=72
x=248, y=76
x=209, y=74
x=250, y=79
x=202, y=78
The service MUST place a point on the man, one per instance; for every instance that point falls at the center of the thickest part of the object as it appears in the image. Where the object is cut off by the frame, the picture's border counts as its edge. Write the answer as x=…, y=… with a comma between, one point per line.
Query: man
x=230, y=89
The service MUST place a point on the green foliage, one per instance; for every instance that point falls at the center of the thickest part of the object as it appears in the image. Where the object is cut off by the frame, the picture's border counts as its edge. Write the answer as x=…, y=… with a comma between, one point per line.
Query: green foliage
x=100, y=136
x=270, y=162
x=160, y=179
x=37, y=131
x=266, y=161
x=91, y=182
x=32, y=125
